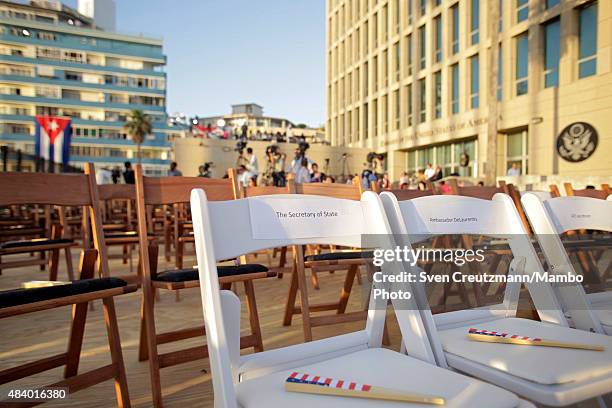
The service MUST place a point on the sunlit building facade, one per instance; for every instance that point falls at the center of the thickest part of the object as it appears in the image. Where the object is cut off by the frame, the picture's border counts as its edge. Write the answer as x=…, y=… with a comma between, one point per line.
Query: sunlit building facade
x=55, y=61
x=411, y=78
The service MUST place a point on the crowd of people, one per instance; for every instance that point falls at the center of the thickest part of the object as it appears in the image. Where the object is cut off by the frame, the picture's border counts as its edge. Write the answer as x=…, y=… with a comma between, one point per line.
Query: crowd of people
x=277, y=170
x=104, y=175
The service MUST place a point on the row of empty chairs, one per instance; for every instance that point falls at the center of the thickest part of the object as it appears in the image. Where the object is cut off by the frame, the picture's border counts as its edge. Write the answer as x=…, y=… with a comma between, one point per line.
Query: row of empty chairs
x=549, y=376
x=170, y=196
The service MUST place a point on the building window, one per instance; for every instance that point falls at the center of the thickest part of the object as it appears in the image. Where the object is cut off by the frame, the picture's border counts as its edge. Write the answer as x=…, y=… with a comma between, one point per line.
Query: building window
x=438, y=94
x=552, y=3
x=375, y=116
x=366, y=38
x=475, y=22
x=422, y=101
x=409, y=55
x=396, y=102
x=384, y=68
x=398, y=16
x=366, y=122
x=522, y=64
x=474, y=82
x=409, y=104
x=398, y=59
x=422, y=48
x=500, y=72
x=423, y=7
x=455, y=39
x=375, y=30
x=552, y=53
x=409, y=12
x=385, y=114
x=365, y=80
x=438, y=38
x=501, y=15
x=384, y=17
x=375, y=73
x=522, y=10
x=517, y=151
x=587, y=57
x=455, y=89
x=448, y=156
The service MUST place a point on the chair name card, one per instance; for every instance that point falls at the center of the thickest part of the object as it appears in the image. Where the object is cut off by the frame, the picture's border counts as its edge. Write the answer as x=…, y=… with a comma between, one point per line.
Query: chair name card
x=456, y=215
x=304, y=217
x=571, y=213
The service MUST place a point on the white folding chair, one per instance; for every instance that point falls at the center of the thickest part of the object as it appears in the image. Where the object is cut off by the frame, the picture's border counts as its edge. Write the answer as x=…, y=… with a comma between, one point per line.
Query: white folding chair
x=547, y=375
x=231, y=228
x=554, y=216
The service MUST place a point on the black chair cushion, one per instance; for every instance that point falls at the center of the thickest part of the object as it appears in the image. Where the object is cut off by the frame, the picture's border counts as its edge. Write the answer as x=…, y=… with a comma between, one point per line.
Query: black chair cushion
x=184, y=275
x=336, y=256
x=122, y=234
x=23, y=296
x=34, y=242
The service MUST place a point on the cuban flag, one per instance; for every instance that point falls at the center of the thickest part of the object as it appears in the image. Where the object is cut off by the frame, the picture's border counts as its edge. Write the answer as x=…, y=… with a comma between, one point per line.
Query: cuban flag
x=53, y=138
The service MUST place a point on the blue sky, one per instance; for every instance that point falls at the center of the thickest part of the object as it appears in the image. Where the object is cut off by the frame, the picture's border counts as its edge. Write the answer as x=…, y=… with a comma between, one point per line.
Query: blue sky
x=223, y=52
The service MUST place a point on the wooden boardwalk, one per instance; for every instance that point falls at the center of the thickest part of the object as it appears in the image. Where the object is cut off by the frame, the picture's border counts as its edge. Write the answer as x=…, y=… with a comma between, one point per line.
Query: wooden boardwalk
x=36, y=335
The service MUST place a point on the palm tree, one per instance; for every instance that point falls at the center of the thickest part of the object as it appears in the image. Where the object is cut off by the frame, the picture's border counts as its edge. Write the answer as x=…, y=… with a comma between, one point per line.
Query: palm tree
x=138, y=126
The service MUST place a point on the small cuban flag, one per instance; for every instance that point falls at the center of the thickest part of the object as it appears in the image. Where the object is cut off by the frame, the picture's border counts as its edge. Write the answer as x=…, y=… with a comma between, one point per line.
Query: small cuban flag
x=53, y=138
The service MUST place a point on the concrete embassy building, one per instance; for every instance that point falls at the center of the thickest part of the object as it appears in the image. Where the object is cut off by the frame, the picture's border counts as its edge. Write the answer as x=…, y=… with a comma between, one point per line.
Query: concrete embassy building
x=56, y=61
x=417, y=80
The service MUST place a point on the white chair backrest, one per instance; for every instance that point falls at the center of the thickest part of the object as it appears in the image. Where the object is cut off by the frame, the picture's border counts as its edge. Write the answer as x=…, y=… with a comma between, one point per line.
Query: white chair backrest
x=552, y=217
x=226, y=229
x=420, y=218
x=544, y=195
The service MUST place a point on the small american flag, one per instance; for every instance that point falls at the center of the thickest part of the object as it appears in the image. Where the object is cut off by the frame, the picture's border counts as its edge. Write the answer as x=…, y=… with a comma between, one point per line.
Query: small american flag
x=301, y=378
x=501, y=334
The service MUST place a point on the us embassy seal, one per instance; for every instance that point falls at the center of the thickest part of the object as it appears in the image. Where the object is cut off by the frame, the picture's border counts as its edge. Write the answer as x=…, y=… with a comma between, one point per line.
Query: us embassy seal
x=577, y=142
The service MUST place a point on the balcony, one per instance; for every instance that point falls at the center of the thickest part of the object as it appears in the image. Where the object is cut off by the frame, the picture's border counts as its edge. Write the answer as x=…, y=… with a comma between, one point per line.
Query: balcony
x=78, y=65
x=80, y=103
x=66, y=83
x=90, y=41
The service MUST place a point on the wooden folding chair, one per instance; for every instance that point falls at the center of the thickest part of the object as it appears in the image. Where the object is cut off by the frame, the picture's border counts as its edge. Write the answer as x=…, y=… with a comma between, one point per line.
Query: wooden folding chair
x=332, y=261
x=68, y=190
x=587, y=192
x=588, y=310
x=256, y=381
x=546, y=375
x=152, y=191
x=554, y=190
x=120, y=229
x=14, y=241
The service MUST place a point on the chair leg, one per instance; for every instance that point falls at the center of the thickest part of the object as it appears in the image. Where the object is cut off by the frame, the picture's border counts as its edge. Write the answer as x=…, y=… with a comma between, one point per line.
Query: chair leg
x=79, y=317
x=291, y=295
x=151, y=341
x=179, y=255
x=167, y=244
x=114, y=343
x=53, y=264
x=42, y=255
x=253, y=314
x=143, y=350
x=69, y=267
x=346, y=289
x=314, y=279
x=303, y=290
